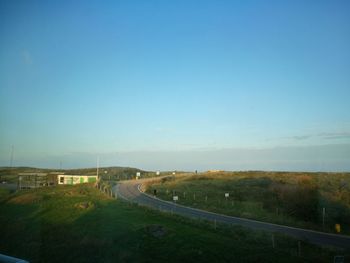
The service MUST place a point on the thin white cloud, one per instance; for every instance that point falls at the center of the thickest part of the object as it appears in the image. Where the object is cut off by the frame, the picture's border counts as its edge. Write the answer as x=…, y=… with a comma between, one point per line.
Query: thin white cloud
x=335, y=135
x=302, y=137
x=324, y=135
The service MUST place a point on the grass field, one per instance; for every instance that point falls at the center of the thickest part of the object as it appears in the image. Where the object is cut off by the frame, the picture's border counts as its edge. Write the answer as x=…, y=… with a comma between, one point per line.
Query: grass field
x=80, y=224
x=295, y=199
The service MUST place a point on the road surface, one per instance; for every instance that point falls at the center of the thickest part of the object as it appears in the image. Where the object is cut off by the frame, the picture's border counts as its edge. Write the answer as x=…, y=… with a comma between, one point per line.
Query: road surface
x=131, y=191
x=9, y=186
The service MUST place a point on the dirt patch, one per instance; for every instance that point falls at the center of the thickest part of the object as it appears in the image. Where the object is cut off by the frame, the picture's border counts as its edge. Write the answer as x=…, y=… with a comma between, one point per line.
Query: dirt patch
x=157, y=231
x=25, y=199
x=68, y=193
x=83, y=192
x=76, y=192
x=84, y=205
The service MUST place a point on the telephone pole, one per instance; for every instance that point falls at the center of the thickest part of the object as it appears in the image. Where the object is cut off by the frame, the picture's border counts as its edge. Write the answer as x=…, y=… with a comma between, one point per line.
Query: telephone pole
x=97, y=165
x=11, y=157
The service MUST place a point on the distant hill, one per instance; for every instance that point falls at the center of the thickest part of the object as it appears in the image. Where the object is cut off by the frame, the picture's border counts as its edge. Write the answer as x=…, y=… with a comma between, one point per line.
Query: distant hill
x=108, y=173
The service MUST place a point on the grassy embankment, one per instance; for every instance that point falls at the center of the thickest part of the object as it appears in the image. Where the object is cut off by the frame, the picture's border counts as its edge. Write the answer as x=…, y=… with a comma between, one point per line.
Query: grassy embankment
x=295, y=199
x=80, y=224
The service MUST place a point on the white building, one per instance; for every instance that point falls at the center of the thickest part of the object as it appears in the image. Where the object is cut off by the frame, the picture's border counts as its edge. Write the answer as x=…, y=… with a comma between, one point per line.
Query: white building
x=76, y=179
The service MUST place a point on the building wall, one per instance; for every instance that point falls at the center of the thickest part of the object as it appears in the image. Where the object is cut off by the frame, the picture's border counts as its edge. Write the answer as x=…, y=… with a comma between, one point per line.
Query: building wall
x=75, y=179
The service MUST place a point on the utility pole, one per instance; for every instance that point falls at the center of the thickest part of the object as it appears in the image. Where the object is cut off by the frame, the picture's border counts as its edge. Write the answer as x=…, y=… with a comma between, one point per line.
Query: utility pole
x=323, y=216
x=11, y=158
x=19, y=182
x=97, y=166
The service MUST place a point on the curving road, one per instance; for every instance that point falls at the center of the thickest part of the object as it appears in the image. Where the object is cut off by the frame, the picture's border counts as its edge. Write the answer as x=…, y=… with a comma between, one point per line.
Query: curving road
x=131, y=191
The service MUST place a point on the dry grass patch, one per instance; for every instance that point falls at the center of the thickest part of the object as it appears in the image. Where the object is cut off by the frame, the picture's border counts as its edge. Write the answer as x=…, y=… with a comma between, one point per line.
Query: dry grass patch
x=29, y=198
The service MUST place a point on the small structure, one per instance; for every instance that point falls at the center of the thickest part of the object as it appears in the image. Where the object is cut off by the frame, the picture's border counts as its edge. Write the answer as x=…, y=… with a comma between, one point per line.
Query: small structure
x=34, y=180
x=76, y=179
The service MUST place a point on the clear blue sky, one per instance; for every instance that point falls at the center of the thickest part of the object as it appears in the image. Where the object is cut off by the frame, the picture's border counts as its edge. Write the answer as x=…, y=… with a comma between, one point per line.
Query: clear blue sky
x=88, y=78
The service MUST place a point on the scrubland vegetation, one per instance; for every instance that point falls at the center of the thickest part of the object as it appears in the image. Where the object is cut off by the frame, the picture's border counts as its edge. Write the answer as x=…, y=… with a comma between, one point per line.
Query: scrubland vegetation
x=295, y=199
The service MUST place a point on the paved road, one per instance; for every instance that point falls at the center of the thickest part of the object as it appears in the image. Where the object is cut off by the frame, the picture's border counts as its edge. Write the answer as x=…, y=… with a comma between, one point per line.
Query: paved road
x=130, y=191
x=9, y=186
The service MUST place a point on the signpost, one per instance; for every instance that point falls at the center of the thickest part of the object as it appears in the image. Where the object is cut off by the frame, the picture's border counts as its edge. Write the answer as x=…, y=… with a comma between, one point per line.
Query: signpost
x=20, y=179
x=323, y=216
x=337, y=228
x=227, y=196
x=175, y=198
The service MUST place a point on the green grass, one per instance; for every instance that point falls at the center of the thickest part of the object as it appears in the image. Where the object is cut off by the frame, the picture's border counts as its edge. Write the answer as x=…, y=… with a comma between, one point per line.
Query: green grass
x=295, y=199
x=51, y=225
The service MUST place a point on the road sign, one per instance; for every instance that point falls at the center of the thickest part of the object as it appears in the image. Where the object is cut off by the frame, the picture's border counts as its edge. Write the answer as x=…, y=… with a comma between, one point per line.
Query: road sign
x=227, y=195
x=175, y=198
x=138, y=174
x=158, y=173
